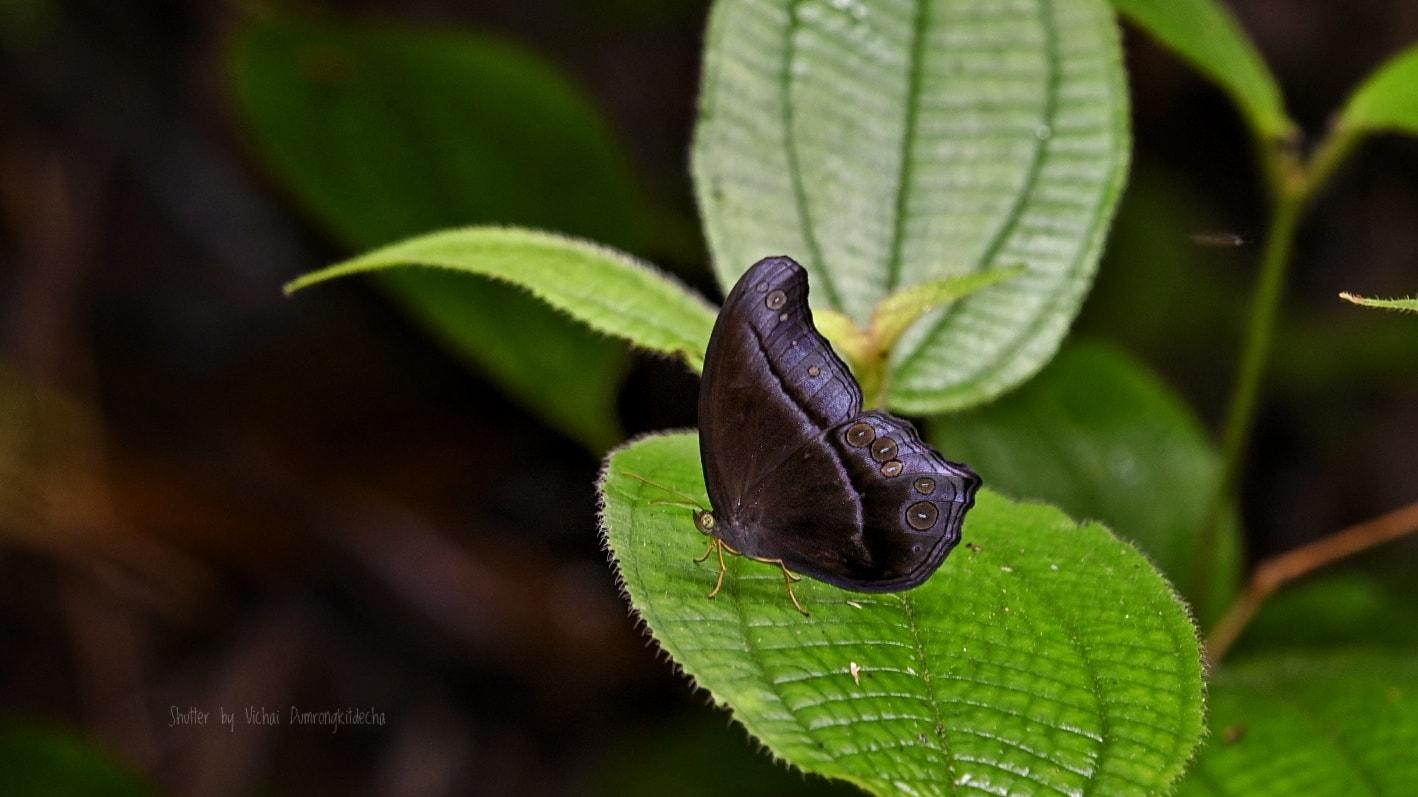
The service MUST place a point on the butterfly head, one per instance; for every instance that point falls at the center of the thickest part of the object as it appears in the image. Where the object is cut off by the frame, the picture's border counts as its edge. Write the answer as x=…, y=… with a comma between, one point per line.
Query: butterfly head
x=704, y=521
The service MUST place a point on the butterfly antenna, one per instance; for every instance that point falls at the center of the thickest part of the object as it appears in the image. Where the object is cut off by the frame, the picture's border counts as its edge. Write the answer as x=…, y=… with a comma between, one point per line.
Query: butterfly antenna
x=688, y=499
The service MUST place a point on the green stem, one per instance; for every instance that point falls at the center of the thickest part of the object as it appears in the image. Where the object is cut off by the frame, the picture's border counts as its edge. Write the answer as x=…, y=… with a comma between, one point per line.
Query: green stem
x=1292, y=184
x=1331, y=152
x=1255, y=352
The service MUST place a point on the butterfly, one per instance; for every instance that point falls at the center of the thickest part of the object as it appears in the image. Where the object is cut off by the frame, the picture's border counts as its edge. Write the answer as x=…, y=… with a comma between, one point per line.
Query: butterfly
x=798, y=475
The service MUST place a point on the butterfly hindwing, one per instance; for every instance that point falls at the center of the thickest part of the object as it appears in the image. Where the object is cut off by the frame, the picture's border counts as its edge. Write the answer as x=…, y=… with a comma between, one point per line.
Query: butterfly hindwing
x=913, y=499
x=867, y=506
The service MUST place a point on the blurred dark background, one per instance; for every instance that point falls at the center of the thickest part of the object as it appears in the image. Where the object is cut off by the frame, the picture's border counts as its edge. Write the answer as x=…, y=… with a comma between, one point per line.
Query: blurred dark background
x=211, y=495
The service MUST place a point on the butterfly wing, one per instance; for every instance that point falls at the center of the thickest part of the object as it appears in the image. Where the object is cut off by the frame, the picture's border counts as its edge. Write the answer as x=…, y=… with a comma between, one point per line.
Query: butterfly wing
x=796, y=471
x=771, y=383
x=910, y=507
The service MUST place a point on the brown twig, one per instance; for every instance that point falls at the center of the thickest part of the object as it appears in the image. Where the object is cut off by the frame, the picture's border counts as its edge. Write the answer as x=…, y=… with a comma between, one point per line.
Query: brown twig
x=1278, y=571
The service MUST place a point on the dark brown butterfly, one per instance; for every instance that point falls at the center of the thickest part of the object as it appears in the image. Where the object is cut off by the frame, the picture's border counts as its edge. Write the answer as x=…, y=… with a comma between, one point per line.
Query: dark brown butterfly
x=798, y=475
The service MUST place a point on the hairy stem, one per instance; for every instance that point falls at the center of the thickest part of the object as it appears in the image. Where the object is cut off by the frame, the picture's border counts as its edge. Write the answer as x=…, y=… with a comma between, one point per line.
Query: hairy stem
x=1274, y=573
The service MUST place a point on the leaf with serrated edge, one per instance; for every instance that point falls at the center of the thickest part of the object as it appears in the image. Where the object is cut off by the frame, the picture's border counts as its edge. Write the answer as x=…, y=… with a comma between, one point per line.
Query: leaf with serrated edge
x=1206, y=35
x=1335, y=725
x=885, y=144
x=1043, y=657
x=606, y=290
x=1100, y=436
x=1408, y=305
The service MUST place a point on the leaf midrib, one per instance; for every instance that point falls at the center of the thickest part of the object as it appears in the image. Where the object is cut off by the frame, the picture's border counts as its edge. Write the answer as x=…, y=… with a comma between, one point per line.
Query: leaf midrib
x=679, y=336
x=938, y=729
x=1050, y=114
x=795, y=172
x=908, y=145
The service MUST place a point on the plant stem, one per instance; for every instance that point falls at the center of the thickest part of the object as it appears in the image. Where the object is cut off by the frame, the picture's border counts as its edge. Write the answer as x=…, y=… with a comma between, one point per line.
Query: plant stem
x=1327, y=157
x=1260, y=334
x=1292, y=182
x=1274, y=573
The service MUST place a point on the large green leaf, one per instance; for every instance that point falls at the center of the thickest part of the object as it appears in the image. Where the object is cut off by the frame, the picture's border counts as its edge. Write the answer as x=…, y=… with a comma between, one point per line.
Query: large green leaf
x=1387, y=100
x=600, y=287
x=518, y=341
x=1044, y=656
x=1207, y=36
x=1323, y=726
x=386, y=133
x=1101, y=436
x=886, y=143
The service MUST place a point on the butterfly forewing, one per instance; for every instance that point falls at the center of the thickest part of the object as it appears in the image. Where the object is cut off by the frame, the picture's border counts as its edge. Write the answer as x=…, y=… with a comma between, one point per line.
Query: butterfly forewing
x=770, y=382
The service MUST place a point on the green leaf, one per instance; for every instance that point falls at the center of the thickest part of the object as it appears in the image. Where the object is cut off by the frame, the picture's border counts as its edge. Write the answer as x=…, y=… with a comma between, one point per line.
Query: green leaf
x=384, y=133
x=604, y=289
x=1345, y=609
x=887, y=144
x=37, y=761
x=473, y=323
x=1322, y=726
x=897, y=312
x=1043, y=656
x=1388, y=100
x=1205, y=35
x=1409, y=305
x=866, y=350
x=1099, y=435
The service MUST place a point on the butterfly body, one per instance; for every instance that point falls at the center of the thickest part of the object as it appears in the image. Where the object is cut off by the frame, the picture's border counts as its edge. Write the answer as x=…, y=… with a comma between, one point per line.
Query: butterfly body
x=796, y=471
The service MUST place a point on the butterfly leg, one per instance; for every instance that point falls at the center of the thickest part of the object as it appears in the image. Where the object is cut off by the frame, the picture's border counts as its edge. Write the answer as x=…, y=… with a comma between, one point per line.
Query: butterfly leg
x=788, y=578
x=713, y=543
x=723, y=568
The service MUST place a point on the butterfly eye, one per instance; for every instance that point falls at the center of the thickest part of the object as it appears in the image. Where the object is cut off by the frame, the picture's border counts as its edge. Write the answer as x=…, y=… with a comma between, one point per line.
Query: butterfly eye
x=924, y=486
x=883, y=449
x=922, y=515
x=892, y=468
x=776, y=300
x=860, y=434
